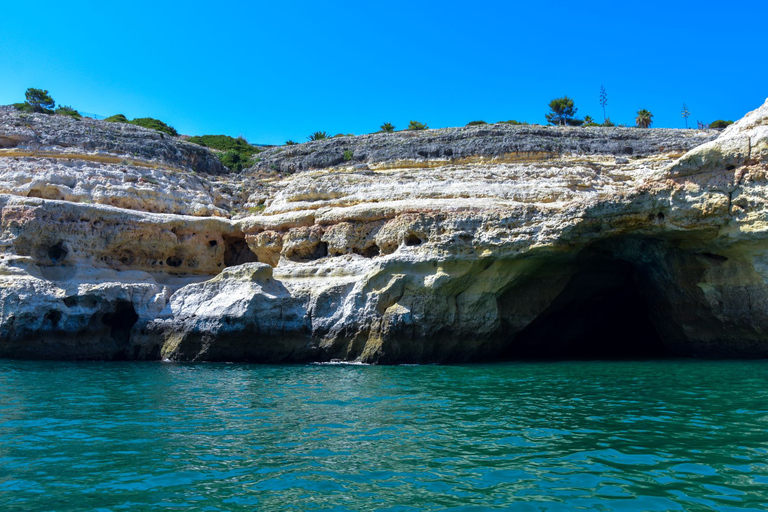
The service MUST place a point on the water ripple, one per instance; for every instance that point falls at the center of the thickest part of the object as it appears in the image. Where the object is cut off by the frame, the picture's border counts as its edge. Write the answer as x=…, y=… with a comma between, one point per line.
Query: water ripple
x=608, y=436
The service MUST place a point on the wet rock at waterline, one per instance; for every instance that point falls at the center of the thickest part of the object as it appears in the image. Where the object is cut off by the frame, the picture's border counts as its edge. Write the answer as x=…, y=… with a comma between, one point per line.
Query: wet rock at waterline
x=500, y=249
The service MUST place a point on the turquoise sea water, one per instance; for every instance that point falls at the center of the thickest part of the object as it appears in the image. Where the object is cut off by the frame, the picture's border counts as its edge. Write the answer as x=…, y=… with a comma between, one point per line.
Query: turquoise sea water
x=657, y=435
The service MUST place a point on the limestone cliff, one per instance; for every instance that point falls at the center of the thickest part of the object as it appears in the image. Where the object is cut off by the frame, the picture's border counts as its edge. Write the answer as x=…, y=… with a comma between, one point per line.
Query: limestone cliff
x=445, y=245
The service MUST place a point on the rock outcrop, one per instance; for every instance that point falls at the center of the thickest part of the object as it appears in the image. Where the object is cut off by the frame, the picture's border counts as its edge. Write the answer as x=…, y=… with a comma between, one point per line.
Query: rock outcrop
x=448, y=245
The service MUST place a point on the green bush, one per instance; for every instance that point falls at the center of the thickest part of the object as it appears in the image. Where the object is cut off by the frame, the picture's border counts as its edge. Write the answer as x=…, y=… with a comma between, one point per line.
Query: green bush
x=513, y=122
x=155, y=124
x=318, y=136
x=234, y=153
x=608, y=123
x=415, y=125
x=25, y=107
x=476, y=123
x=588, y=121
x=387, y=127
x=234, y=161
x=68, y=111
x=720, y=124
x=347, y=155
x=290, y=142
x=117, y=118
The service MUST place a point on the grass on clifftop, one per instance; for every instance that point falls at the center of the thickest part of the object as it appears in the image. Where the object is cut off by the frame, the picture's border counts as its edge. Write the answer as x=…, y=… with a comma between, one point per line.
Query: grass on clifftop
x=234, y=153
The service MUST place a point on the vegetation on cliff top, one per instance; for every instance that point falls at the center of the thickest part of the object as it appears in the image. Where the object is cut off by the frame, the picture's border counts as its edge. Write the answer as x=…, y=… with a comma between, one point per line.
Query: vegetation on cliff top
x=146, y=122
x=39, y=101
x=235, y=153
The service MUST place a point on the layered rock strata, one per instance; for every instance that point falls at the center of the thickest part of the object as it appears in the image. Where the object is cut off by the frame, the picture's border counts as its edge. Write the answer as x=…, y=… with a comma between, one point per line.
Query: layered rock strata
x=449, y=245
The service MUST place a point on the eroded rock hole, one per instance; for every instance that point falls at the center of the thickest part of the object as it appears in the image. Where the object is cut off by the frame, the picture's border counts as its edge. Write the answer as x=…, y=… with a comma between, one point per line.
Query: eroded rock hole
x=602, y=313
x=237, y=252
x=321, y=251
x=57, y=252
x=368, y=252
x=412, y=240
x=121, y=321
x=174, y=261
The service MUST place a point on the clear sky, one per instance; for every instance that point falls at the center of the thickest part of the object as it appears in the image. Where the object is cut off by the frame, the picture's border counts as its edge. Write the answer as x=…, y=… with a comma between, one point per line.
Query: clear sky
x=279, y=70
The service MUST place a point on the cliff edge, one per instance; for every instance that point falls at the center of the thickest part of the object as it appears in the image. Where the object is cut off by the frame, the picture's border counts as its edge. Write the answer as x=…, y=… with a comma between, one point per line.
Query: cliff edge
x=446, y=245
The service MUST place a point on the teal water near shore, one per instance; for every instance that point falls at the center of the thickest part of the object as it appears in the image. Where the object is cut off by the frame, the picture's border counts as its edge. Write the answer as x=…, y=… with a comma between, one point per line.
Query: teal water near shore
x=534, y=436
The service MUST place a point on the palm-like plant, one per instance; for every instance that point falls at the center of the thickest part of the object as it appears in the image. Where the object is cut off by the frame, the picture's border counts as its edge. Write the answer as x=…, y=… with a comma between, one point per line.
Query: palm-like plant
x=387, y=128
x=318, y=136
x=644, y=118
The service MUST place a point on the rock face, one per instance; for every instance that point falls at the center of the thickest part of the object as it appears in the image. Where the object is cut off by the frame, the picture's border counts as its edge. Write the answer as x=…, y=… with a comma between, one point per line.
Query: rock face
x=449, y=245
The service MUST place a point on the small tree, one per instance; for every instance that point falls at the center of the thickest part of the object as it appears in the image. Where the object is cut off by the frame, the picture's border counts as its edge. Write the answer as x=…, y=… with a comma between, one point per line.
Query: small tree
x=415, y=125
x=476, y=123
x=644, y=118
x=290, y=142
x=318, y=136
x=387, y=127
x=603, y=101
x=562, y=111
x=39, y=100
x=685, y=115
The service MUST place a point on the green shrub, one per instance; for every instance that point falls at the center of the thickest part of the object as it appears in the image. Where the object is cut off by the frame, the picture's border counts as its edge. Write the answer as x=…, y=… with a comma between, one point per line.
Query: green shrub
x=347, y=155
x=234, y=153
x=387, y=127
x=588, y=121
x=235, y=161
x=720, y=124
x=415, y=125
x=155, y=124
x=24, y=107
x=290, y=142
x=318, y=136
x=68, y=111
x=608, y=123
x=476, y=123
x=117, y=118
x=513, y=122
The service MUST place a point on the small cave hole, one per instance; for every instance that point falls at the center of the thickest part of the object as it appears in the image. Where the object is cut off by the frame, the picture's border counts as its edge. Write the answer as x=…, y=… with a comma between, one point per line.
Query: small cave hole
x=412, y=240
x=213, y=243
x=53, y=317
x=660, y=216
x=237, y=252
x=121, y=321
x=321, y=251
x=174, y=261
x=57, y=252
x=368, y=252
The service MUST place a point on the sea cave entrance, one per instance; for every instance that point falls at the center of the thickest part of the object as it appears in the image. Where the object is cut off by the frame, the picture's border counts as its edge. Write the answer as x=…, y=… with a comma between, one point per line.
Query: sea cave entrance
x=605, y=311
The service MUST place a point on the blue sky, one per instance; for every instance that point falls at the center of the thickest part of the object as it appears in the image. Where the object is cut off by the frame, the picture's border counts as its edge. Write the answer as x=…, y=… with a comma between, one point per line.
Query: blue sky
x=273, y=71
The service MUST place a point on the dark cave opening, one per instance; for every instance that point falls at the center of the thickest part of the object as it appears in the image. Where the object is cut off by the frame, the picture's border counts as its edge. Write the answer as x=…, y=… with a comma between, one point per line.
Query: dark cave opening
x=602, y=313
x=237, y=252
x=121, y=321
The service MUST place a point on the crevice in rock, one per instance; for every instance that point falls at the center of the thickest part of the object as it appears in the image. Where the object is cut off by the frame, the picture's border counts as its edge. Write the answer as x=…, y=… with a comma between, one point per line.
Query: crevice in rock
x=237, y=252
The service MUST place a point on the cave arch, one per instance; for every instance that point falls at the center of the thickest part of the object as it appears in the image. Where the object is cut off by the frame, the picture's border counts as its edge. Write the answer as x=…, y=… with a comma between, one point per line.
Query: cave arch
x=605, y=311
